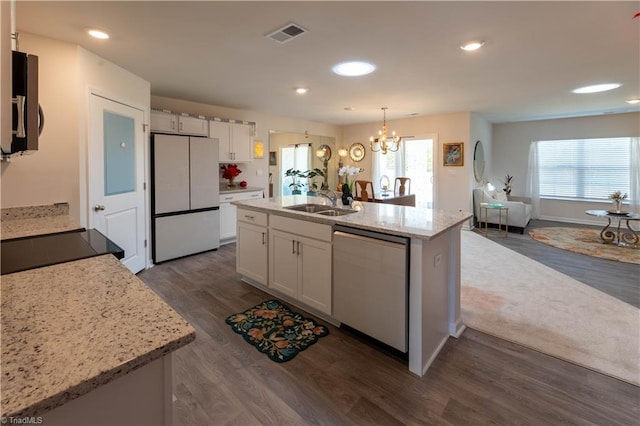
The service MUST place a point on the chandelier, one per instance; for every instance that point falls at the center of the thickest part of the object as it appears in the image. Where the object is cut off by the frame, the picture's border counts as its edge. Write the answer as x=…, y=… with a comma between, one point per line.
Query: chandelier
x=383, y=142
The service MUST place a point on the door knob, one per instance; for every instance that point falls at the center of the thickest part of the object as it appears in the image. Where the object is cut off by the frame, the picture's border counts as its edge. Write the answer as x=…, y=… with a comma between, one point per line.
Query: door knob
x=98, y=207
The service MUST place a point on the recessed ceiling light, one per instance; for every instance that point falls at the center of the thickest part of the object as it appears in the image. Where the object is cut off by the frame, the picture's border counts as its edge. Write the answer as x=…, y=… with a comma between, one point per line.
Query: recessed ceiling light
x=633, y=101
x=348, y=108
x=472, y=45
x=301, y=90
x=96, y=33
x=353, y=68
x=596, y=88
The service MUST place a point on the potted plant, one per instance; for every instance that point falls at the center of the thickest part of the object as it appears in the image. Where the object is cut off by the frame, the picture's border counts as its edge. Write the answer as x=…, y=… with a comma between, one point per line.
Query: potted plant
x=507, y=184
x=349, y=173
x=311, y=183
x=617, y=198
x=294, y=175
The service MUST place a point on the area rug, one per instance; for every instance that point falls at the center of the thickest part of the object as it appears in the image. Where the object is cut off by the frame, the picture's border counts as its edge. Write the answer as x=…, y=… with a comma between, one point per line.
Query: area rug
x=275, y=330
x=584, y=241
x=518, y=299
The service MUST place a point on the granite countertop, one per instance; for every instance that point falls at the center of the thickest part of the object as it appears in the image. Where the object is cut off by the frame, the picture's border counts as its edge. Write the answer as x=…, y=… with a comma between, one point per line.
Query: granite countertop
x=413, y=222
x=70, y=328
x=224, y=190
x=18, y=222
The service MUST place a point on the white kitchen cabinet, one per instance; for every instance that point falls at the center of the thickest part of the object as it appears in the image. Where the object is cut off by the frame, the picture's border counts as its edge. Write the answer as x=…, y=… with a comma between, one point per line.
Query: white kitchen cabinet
x=252, y=245
x=228, y=213
x=235, y=141
x=299, y=266
x=164, y=122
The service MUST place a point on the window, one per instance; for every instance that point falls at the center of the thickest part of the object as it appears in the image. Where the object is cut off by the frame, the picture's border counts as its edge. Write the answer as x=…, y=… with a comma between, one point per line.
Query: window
x=414, y=159
x=584, y=169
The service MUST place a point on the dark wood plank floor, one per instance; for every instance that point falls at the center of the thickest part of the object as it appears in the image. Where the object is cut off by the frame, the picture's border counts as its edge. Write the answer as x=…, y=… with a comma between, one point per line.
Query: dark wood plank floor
x=477, y=379
x=618, y=279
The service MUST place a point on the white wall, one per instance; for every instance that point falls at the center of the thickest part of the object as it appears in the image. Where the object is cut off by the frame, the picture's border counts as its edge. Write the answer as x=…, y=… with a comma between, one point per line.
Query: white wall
x=255, y=173
x=50, y=174
x=511, y=151
x=97, y=75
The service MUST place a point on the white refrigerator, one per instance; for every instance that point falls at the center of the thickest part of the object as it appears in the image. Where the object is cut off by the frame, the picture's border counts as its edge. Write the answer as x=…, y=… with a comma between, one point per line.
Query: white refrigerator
x=184, y=196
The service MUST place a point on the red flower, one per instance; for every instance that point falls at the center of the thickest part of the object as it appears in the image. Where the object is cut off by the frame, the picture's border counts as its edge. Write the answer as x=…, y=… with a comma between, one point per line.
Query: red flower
x=230, y=171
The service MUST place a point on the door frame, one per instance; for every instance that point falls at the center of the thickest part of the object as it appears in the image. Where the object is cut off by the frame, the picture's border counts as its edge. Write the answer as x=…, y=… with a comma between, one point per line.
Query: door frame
x=85, y=208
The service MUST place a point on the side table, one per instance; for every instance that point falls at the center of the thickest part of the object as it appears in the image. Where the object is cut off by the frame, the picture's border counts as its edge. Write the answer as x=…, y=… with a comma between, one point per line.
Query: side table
x=489, y=206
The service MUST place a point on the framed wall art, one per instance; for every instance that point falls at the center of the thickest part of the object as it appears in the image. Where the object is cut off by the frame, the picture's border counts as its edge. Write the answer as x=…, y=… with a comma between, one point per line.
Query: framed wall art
x=453, y=154
x=273, y=160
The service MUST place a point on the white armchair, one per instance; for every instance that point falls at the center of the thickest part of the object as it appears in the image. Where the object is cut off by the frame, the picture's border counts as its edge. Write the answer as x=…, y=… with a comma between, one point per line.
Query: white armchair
x=519, y=209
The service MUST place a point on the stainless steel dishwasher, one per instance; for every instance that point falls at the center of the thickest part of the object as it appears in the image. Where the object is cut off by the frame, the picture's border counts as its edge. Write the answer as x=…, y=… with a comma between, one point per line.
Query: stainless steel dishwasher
x=370, y=284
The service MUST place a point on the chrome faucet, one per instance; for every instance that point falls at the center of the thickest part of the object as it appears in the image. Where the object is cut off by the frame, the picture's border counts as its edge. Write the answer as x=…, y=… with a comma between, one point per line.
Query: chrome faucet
x=331, y=195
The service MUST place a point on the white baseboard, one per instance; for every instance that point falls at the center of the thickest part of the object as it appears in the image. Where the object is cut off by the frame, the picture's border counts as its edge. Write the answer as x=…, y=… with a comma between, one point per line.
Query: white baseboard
x=573, y=220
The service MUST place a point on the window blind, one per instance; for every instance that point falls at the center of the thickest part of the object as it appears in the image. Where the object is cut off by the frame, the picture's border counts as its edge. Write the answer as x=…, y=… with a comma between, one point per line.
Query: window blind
x=584, y=168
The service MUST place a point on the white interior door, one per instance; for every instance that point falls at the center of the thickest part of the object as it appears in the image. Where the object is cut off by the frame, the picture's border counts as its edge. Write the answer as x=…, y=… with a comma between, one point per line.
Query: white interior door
x=116, y=177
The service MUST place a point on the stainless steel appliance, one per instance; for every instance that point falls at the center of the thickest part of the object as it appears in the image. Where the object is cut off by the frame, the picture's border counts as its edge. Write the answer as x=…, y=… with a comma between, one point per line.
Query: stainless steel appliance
x=27, y=116
x=370, y=284
x=185, y=202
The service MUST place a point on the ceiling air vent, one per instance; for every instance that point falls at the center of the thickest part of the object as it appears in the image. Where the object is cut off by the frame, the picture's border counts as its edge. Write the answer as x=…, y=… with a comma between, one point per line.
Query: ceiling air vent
x=286, y=33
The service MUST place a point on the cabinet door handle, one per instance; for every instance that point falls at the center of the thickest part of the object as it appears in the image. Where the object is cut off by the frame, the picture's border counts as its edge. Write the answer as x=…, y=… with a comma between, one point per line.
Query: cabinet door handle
x=263, y=239
x=181, y=126
x=173, y=124
x=298, y=249
x=228, y=198
x=293, y=246
x=246, y=216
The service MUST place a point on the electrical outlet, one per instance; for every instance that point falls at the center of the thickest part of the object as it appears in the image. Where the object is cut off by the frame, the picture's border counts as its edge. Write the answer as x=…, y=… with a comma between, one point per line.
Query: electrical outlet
x=436, y=260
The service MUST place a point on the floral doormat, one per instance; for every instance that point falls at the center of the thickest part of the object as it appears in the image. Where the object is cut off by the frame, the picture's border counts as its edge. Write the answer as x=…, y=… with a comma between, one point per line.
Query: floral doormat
x=276, y=331
x=585, y=241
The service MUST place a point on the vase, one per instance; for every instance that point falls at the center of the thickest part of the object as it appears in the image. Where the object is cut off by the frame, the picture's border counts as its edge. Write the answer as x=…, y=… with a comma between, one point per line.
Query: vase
x=346, y=198
x=231, y=183
x=616, y=205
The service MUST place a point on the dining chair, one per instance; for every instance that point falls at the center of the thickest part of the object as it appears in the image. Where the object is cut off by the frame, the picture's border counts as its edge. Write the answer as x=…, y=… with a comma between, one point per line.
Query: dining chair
x=402, y=186
x=364, y=190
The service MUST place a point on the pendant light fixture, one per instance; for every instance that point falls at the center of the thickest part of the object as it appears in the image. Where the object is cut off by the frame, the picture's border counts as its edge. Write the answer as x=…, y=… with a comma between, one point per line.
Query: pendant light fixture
x=384, y=143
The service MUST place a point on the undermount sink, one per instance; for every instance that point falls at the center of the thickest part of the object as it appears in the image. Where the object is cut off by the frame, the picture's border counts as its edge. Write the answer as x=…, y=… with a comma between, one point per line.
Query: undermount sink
x=320, y=209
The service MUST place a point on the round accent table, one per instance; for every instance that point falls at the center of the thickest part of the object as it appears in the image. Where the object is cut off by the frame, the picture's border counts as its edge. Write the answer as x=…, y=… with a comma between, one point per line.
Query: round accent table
x=500, y=207
x=628, y=237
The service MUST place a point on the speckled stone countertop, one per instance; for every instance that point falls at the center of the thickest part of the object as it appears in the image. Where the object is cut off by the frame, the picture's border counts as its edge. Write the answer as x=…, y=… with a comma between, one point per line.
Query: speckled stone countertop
x=413, y=222
x=18, y=222
x=70, y=328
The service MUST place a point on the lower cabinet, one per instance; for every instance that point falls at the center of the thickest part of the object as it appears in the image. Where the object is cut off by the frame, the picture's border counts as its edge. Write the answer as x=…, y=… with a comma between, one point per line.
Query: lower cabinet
x=228, y=213
x=252, y=245
x=300, y=267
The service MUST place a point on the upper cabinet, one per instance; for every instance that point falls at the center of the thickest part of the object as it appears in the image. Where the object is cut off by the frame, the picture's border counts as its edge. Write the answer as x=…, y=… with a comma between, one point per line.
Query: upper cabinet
x=164, y=122
x=234, y=140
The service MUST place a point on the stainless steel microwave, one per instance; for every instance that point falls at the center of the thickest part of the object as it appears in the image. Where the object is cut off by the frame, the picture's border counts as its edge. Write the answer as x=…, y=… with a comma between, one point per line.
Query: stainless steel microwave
x=27, y=116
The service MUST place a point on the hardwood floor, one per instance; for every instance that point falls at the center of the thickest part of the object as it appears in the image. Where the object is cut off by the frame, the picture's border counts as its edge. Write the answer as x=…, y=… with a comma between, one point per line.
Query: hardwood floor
x=477, y=379
x=618, y=279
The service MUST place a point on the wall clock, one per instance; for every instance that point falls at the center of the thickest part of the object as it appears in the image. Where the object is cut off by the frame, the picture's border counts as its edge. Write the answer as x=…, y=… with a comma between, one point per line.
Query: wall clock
x=356, y=152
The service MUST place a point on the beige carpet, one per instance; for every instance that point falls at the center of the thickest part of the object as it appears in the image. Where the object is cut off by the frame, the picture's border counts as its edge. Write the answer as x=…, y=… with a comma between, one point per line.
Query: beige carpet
x=518, y=299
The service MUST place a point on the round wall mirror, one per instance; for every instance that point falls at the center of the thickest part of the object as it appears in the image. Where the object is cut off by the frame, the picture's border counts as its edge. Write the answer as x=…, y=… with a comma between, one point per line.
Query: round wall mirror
x=478, y=161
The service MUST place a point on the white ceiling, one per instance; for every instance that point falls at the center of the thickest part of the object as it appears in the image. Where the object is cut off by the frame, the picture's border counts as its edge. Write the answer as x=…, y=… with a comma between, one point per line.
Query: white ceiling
x=217, y=53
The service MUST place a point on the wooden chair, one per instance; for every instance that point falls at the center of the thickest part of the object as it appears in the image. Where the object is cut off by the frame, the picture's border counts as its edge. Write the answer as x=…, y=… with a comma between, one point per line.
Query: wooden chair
x=402, y=186
x=364, y=190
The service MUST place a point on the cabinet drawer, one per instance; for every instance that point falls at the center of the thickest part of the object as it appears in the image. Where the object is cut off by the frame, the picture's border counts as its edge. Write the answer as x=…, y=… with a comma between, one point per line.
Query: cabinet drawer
x=238, y=196
x=318, y=231
x=250, y=216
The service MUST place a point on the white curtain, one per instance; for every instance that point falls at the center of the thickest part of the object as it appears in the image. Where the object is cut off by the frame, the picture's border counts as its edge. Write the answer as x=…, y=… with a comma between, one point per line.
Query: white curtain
x=532, y=184
x=634, y=196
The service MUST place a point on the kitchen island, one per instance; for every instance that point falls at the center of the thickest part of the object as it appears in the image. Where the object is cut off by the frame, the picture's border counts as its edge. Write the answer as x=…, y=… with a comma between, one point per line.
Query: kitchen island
x=433, y=262
x=86, y=342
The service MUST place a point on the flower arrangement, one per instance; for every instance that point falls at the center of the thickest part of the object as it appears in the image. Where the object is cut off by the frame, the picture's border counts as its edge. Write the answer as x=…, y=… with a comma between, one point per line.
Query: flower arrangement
x=230, y=172
x=618, y=196
x=349, y=173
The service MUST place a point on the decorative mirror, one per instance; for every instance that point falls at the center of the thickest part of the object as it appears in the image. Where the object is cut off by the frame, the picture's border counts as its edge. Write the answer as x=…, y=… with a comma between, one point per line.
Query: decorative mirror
x=356, y=152
x=478, y=162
